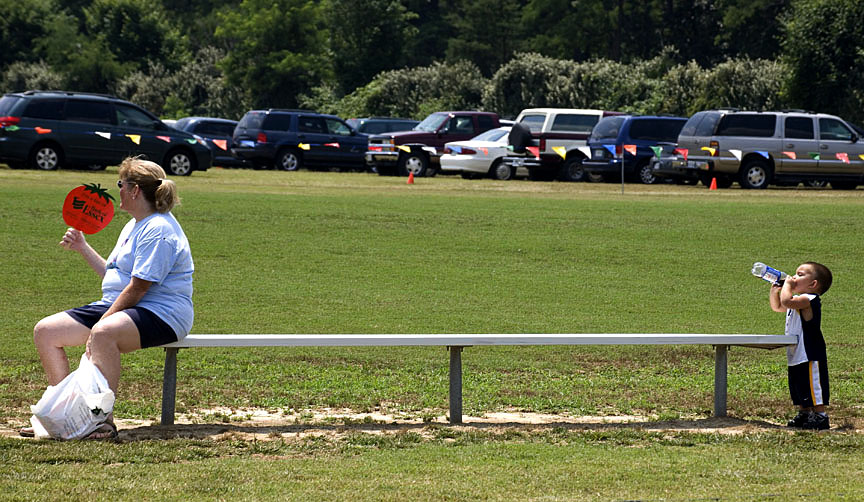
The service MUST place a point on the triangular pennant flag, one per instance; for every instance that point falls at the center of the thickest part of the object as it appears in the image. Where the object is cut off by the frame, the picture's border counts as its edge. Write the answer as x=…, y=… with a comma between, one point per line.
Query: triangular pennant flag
x=560, y=150
x=191, y=141
x=736, y=154
x=334, y=145
x=631, y=149
x=844, y=157
x=814, y=155
x=455, y=149
x=304, y=146
x=657, y=150
x=683, y=152
x=166, y=139
x=40, y=130
x=791, y=155
x=535, y=150
x=586, y=151
x=106, y=135
x=136, y=138
x=710, y=150
x=221, y=143
x=485, y=151
x=10, y=128
x=611, y=149
x=762, y=153
x=404, y=148
x=861, y=156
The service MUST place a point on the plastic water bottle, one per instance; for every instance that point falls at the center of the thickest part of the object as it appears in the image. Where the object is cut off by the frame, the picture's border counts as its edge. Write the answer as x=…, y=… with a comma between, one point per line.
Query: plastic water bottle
x=769, y=274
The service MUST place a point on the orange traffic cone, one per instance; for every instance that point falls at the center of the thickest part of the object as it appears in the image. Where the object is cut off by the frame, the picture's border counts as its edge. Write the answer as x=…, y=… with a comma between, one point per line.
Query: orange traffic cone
x=713, y=184
x=411, y=179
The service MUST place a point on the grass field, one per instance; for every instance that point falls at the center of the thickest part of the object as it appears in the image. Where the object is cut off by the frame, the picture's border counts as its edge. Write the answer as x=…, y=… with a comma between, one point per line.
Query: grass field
x=356, y=253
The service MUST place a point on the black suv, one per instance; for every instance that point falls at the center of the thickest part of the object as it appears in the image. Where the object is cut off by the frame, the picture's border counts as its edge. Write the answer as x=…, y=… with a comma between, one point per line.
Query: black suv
x=630, y=139
x=51, y=129
x=380, y=125
x=290, y=139
x=217, y=134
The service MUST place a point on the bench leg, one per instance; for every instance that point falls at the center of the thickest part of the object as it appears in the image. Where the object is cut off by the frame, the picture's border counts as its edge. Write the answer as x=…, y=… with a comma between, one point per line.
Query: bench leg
x=169, y=386
x=455, y=384
x=720, y=380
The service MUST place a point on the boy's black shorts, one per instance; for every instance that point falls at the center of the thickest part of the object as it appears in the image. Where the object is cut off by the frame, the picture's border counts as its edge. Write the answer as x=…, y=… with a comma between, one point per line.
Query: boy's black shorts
x=808, y=384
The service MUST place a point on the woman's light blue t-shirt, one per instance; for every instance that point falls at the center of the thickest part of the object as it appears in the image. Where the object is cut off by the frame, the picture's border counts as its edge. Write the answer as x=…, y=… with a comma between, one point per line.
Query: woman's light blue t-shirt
x=154, y=249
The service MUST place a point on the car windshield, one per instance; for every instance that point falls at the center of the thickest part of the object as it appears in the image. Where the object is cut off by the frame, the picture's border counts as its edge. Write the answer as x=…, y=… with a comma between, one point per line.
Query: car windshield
x=608, y=128
x=491, y=135
x=432, y=122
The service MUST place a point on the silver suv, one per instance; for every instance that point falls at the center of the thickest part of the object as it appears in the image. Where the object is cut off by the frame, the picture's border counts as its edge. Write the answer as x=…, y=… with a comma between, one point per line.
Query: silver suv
x=782, y=148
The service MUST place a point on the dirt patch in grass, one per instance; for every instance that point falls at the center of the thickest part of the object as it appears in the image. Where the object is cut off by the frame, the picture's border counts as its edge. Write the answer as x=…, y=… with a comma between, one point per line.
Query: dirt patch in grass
x=269, y=425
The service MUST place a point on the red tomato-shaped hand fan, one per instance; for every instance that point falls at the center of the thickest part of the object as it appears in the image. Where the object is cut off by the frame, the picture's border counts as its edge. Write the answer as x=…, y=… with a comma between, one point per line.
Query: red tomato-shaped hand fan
x=88, y=208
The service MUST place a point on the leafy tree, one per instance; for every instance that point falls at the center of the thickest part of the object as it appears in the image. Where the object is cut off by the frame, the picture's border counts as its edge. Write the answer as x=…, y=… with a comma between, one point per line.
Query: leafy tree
x=823, y=46
x=20, y=24
x=487, y=40
x=21, y=76
x=277, y=49
x=86, y=62
x=526, y=81
x=433, y=31
x=368, y=37
x=738, y=38
x=135, y=31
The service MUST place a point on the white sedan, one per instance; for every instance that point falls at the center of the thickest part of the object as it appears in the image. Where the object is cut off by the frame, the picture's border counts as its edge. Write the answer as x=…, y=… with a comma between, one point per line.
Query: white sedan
x=480, y=156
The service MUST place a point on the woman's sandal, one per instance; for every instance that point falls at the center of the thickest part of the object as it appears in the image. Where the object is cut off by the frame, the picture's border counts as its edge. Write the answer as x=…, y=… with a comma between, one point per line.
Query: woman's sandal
x=106, y=431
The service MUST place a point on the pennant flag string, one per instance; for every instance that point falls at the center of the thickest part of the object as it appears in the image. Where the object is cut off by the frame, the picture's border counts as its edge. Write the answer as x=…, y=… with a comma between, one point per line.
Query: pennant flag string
x=560, y=150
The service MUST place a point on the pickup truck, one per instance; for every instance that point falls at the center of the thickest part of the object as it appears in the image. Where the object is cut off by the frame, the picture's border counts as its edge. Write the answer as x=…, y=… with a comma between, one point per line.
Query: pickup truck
x=552, y=142
x=419, y=150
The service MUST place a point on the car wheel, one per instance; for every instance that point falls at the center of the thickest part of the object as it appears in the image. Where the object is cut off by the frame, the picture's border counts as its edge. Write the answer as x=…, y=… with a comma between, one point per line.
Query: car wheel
x=180, y=163
x=501, y=171
x=416, y=163
x=816, y=183
x=755, y=174
x=571, y=170
x=646, y=174
x=46, y=157
x=288, y=160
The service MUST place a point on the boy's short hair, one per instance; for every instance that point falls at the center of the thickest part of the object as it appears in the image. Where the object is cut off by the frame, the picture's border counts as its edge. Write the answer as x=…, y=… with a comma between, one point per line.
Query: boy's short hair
x=823, y=276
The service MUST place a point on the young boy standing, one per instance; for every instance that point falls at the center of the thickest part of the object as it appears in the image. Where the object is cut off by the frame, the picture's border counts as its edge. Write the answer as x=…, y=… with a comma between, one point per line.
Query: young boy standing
x=799, y=298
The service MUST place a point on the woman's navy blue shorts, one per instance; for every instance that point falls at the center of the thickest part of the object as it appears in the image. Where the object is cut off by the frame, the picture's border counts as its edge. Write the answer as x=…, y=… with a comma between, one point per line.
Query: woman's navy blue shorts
x=152, y=330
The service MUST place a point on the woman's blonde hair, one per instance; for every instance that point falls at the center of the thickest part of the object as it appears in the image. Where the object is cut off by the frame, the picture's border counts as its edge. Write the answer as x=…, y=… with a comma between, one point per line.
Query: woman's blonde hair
x=150, y=178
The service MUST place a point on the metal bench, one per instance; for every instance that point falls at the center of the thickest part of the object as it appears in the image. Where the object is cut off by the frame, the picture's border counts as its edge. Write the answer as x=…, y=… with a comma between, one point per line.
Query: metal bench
x=456, y=343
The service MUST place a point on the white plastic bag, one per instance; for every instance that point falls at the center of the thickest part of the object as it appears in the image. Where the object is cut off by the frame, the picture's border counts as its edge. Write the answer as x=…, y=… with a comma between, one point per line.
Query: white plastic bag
x=76, y=406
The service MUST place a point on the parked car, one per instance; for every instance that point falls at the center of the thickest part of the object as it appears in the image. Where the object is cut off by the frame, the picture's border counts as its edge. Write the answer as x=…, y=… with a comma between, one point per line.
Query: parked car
x=381, y=125
x=291, y=139
x=480, y=156
x=559, y=135
x=670, y=165
x=613, y=140
x=217, y=134
x=418, y=151
x=778, y=147
x=51, y=129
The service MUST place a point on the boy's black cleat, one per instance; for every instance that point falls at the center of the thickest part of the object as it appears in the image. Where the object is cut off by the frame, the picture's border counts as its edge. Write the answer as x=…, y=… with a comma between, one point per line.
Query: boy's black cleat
x=800, y=419
x=817, y=422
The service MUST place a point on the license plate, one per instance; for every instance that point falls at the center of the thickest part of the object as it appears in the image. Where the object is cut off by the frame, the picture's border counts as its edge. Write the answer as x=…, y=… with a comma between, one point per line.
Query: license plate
x=517, y=163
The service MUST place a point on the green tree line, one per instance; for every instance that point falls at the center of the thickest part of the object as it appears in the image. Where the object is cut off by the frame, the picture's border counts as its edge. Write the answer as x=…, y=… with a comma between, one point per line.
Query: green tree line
x=410, y=57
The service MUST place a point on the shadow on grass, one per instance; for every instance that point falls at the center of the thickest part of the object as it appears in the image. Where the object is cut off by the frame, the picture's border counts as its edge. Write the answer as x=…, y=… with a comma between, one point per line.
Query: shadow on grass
x=275, y=431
